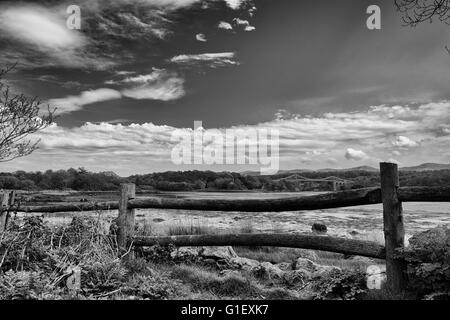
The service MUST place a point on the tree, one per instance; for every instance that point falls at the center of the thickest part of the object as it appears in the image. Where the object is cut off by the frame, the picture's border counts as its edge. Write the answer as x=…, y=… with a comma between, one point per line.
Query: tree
x=20, y=116
x=417, y=11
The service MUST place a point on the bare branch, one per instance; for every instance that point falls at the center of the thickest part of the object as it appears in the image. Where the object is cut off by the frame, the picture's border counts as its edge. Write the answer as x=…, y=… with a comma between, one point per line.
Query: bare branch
x=20, y=117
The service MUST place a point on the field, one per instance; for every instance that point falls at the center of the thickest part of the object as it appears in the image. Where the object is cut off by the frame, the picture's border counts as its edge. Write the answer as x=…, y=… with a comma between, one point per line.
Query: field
x=217, y=273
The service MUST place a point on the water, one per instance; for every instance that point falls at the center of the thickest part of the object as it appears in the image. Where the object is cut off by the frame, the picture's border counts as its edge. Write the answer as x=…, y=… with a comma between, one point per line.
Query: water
x=362, y=221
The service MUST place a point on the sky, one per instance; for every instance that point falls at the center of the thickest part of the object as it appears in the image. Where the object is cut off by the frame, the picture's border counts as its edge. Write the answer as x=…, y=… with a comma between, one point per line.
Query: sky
x=339, y=94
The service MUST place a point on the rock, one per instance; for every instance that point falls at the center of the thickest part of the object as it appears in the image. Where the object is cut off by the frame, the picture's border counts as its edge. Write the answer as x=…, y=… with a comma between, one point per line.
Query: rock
x=218, y=253
x=306, y=265
x=185, y=253
x=319, y=228
x=285, y=266
x=158, y=220
x=268, y=270
x=243, y=263
x=312, y=267
x=354, y=232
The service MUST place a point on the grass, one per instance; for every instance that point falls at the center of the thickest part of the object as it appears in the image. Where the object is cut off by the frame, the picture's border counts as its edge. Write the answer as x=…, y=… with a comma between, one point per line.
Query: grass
x=35, y=259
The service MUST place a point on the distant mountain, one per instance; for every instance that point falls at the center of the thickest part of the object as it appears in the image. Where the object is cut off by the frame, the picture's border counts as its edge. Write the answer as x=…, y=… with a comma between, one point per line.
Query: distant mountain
x=361, y=168
x=421, y=167
x=427, y=167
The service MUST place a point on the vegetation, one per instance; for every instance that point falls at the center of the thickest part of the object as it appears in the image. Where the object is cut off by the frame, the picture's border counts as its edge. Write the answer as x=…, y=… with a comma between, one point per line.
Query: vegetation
x=81, y=179
x=428, y=257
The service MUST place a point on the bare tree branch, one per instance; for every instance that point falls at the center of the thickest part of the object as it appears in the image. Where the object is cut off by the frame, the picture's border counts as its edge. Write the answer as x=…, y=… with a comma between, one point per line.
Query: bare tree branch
x=418, y=11
x=20, y=116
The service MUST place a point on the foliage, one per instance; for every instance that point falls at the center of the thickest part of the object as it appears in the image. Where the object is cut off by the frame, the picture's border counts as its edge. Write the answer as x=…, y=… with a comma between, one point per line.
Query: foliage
x=154, y=286
x=428, y=257
x=340, y=284
x=36, y=261
x=81, y=179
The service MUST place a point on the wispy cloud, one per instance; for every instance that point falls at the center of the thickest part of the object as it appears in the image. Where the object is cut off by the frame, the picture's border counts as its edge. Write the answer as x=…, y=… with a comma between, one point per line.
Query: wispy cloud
x=160, y=84
x=77, y=102
x=213, y=60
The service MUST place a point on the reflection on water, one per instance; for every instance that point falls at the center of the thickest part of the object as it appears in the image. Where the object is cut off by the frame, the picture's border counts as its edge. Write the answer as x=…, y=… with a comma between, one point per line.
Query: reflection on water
x=357, y=220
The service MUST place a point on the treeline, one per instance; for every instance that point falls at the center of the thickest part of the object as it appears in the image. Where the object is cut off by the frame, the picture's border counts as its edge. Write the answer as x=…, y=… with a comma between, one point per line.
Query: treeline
x=82, y=180
x=75, y=179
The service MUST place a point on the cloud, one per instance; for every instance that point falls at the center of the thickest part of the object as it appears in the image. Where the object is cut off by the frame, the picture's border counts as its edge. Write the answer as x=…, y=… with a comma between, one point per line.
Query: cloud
x=224, y=25
x=235, y=4
x=160, y=84
x=75, y=103
x=331, y=139
x=404, y=142
x=212, y=60
x=200, y=37
x=39, y=27
x=352, y=154
x=244, y=23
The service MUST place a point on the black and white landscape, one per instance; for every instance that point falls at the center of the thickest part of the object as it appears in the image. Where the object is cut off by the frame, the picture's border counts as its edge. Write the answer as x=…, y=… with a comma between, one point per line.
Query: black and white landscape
x=219, y=102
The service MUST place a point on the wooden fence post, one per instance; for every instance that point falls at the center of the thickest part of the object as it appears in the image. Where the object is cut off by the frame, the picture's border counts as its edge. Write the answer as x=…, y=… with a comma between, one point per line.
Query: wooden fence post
x=4, y=202
x=126, y=217
x=394, y=231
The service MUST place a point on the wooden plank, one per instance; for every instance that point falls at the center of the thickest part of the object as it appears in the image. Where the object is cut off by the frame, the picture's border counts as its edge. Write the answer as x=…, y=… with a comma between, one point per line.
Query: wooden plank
x=323, y=201
x=126, y=216
x=394, y=231
x=314, y=242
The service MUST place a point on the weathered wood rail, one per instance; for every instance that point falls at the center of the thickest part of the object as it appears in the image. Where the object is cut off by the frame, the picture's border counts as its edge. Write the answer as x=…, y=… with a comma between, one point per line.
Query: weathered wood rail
x=324, y=243
x=390, y=194
x=330, y=200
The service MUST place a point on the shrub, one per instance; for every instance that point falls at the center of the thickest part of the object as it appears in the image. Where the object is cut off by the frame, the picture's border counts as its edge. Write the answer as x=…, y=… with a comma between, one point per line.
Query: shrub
x=428, y=257
x=340, y=284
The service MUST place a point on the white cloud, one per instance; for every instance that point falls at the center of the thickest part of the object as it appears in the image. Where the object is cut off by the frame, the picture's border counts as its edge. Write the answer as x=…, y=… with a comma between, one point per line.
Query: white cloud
x=244, y=23
x=200, y=37
x=74, y=103
x=159, y=85
x=364, y=136
x=352, y=154
x=224, y=25
x=235, y=4
x=212, y=59
x=241, y=22
x=39, y=27
x=404, y=142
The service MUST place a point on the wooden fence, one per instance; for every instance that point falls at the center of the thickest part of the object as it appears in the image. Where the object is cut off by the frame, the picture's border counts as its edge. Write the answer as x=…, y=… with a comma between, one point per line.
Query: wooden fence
x=390, y=194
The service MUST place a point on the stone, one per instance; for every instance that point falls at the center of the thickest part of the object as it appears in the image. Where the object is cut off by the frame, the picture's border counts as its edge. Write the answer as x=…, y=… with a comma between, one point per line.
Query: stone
x=243, y=263
x=218, y=253
x=268, y=270
x=312, y=267
x=319, y=228
x=285, y=266
x=185, y=253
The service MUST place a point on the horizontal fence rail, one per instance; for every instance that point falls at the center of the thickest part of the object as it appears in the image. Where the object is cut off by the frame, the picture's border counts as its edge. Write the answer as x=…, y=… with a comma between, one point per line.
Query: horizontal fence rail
x=329, y=200
x=324, y=243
